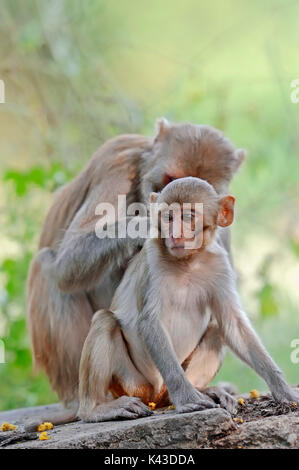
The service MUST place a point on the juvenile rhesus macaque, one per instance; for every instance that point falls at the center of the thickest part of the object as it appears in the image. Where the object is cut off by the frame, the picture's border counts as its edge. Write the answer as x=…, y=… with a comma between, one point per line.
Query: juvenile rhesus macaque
x=75, y=273
x=174, y=310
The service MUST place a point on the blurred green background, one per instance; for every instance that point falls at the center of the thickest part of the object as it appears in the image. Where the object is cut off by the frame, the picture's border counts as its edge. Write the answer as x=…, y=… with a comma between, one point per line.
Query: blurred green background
x=78, y=72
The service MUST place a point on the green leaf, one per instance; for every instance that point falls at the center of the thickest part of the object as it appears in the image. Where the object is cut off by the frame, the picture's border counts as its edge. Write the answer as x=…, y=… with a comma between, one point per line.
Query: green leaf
x=267, y=299
x=294, y=245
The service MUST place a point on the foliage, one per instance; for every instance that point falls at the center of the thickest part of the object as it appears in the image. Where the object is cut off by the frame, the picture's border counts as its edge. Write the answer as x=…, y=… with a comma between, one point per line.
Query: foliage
x=20, y=386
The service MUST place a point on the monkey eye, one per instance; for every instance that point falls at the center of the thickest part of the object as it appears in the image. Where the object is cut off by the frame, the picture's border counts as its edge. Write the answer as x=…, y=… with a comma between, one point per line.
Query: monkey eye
x=188, y=216
x=167, y=216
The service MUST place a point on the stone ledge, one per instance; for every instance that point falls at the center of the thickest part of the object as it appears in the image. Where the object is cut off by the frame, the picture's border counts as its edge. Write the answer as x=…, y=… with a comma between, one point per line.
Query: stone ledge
x=213, y=428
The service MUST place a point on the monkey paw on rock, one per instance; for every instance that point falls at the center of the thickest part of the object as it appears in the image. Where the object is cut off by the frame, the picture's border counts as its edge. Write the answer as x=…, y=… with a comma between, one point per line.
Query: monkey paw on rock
x=223, y=398
x=290, y=397
x=196, y=402
x=123, y=407
x=294, y=398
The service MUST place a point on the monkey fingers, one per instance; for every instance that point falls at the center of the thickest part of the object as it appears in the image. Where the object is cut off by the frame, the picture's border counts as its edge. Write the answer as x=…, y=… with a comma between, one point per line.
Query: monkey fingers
x=200, y=406
x=122, y=408
x=223, y=398
x=197, y=403
x=287, y=397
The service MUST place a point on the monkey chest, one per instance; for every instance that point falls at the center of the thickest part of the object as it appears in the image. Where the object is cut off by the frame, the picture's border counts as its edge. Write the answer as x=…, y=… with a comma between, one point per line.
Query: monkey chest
x=185, y=322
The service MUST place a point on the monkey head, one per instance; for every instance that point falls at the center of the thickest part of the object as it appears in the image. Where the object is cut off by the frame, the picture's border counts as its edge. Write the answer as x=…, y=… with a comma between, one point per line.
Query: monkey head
x=187, y=213
x=185, y=149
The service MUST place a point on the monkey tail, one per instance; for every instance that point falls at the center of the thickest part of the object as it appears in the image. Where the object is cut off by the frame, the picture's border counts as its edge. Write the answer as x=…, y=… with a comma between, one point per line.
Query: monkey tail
x=63, y=417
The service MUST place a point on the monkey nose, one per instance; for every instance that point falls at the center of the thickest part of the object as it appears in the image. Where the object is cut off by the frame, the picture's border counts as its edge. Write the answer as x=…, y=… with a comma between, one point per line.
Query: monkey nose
x=178, y=242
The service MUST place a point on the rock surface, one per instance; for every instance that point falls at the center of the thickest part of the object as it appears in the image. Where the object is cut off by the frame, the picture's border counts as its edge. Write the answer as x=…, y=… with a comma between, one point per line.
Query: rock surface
x=265, y=425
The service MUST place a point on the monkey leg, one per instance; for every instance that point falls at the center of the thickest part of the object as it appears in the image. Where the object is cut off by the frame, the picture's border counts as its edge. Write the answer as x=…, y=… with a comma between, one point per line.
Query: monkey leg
x=204, y=364
x=106, y=366
x=58, y=325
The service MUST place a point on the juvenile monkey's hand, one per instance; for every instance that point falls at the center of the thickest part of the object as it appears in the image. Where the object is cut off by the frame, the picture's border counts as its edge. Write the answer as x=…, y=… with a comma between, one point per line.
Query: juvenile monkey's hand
x=288, y=396
x=193, y=400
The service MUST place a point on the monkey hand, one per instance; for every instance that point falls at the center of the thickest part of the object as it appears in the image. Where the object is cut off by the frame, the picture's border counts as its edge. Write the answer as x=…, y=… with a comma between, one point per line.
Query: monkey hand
x=46, y=257
x=193, y=400
x=123, y=407
x=225, y=399
x=287, y=396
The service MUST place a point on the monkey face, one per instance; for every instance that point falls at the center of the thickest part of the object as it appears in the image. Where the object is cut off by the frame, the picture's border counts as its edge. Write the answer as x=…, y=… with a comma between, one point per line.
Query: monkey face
x=182, y=150
x=182, y=230
x=189, y=211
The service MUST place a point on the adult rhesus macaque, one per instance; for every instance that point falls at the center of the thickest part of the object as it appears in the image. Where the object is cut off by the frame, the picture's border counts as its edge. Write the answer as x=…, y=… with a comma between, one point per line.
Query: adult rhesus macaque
x=174, y=310
x=75, y=273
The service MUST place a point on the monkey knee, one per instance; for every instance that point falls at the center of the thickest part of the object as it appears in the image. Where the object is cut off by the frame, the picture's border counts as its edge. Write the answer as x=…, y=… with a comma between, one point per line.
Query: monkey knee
x=99, y=347
x=104, y=322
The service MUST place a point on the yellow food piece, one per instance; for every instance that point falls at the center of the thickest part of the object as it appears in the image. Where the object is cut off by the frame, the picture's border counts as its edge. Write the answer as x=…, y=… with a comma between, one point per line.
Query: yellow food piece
x=49, y=425
x=45, y=427
x=152, y=405
x=238, y=420
x=44, y=436
x=241, y=401
x=8, y=427
x=254, y=393
x=171, y=407
x=293, y=404
x=41, y=428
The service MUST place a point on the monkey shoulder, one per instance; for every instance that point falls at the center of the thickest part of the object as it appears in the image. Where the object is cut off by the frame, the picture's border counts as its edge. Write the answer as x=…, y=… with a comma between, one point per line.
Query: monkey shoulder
x=218, y=262
x=217, y=253
x=119, y=152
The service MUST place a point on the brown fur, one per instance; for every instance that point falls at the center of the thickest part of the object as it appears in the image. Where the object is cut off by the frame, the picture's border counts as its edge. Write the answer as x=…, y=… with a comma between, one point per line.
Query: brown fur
x=114, y=358
x=171, y=341
x=59, y=316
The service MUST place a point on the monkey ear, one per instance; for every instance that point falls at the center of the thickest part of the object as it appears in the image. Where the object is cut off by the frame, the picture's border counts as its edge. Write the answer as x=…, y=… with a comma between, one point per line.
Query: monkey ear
x=153, y=197
x=162, y=126
x=226, y=211
x=240, y=155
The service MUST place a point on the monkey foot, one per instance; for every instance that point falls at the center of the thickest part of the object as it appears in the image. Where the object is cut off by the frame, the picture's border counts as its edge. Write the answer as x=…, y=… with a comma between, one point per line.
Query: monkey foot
x=201, y=402
x=228, y=387
x=223, y=398
x=287, y=397
x=122, y=408
x=189, y=407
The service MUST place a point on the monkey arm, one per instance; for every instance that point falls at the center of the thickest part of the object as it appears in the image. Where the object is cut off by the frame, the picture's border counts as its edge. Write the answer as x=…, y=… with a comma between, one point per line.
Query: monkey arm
x=80, y=265
x=183, y=395
x=82, y=257
x=245, y=343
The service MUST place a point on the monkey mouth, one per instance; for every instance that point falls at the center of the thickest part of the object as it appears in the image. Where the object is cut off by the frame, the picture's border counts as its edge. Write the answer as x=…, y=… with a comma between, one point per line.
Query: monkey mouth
x=179, y=243
x=178, y=250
